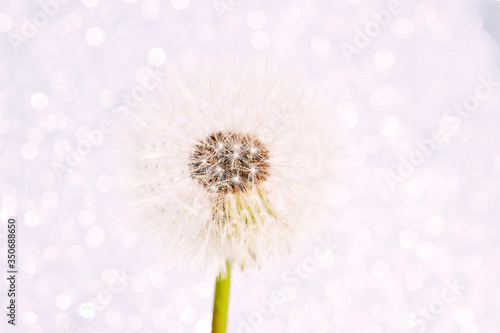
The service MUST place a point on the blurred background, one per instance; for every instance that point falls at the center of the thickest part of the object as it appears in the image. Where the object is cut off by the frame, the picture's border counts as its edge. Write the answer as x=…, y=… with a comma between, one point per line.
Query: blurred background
x=411, y=245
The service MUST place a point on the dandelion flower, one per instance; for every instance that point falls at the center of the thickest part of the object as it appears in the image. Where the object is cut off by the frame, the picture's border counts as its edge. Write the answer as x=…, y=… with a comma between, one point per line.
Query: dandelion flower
x=231, y=164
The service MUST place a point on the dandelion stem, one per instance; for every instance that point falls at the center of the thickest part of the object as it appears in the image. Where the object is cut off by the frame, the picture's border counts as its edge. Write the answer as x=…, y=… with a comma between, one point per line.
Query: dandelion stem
x=221, y=301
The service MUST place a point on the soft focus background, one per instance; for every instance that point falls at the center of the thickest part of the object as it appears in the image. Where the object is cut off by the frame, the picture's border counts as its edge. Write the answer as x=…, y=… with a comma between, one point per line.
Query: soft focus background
x=412, y=245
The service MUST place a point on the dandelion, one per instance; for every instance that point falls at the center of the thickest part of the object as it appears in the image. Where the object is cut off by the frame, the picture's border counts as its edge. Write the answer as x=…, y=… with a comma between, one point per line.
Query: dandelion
x=231, y=167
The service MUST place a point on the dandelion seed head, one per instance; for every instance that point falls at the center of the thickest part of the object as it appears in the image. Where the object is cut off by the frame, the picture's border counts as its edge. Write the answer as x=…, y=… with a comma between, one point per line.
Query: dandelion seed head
x=224, y=162
x=231, y=163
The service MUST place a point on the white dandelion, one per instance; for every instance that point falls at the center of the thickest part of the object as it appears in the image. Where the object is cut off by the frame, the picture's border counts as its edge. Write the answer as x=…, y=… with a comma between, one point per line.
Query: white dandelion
x=231, y=164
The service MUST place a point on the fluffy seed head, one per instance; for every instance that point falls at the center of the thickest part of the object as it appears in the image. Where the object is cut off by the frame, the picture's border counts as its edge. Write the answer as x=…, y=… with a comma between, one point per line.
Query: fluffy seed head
x=229, y=162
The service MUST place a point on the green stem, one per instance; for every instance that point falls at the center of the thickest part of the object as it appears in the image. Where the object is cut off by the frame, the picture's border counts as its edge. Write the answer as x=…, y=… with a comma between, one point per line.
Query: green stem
x=221, y=302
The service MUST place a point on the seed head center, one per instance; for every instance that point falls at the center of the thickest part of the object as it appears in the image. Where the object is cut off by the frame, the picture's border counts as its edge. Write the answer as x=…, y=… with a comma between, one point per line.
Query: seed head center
x=229, y=162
